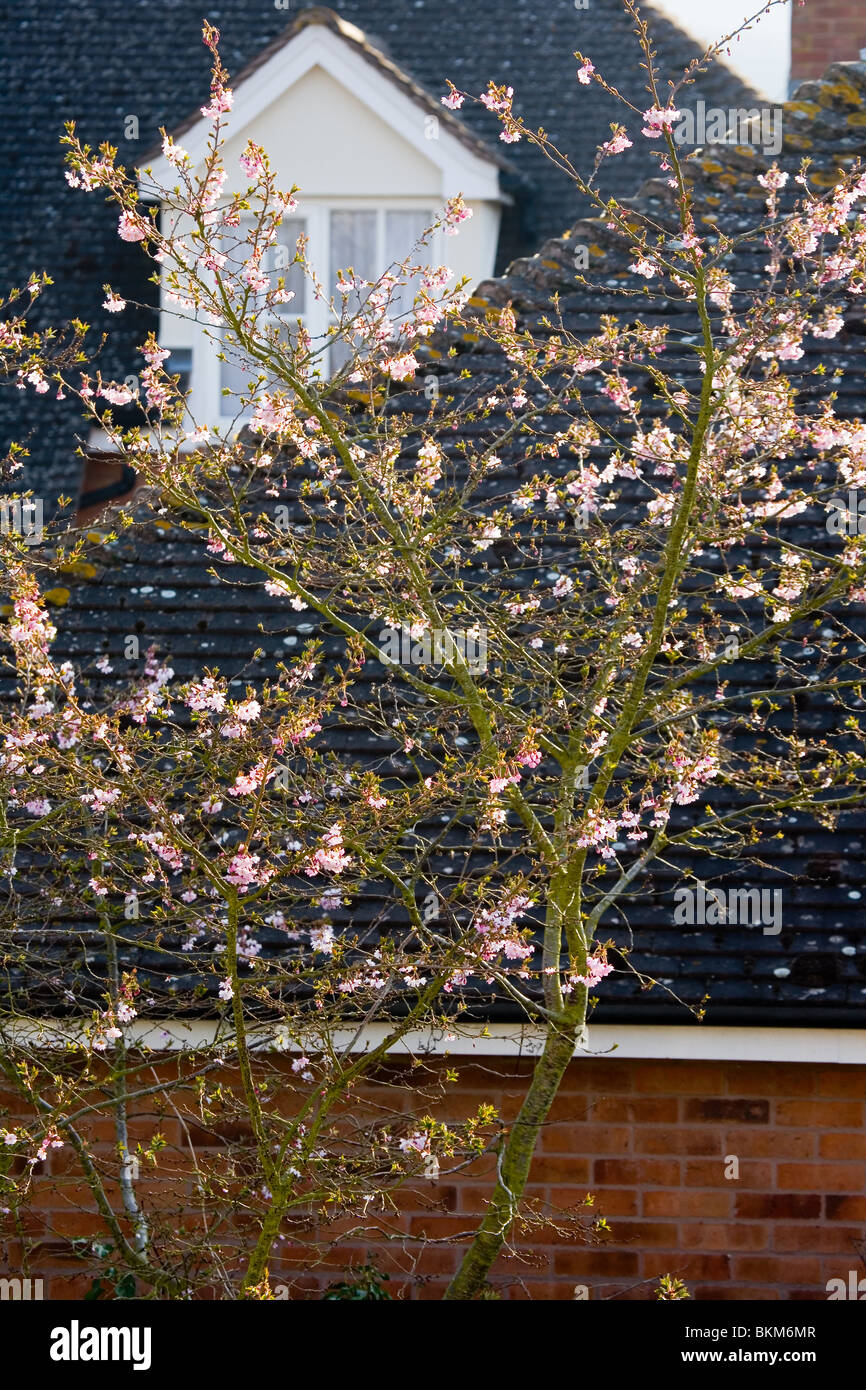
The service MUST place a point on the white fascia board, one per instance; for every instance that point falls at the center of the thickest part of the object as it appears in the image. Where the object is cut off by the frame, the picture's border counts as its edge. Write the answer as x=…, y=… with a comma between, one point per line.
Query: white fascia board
x=462, y=171
x=808, y=1046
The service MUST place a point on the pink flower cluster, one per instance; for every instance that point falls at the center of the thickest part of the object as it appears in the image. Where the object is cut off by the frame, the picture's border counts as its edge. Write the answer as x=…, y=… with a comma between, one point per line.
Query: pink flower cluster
x=597, y=969
x=243, y=872
x=496, y=927
x=331, y=857
x=657, y=121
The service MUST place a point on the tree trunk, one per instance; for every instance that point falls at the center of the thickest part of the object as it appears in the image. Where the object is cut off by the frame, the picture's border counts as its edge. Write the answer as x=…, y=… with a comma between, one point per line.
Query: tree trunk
x=514, y=1167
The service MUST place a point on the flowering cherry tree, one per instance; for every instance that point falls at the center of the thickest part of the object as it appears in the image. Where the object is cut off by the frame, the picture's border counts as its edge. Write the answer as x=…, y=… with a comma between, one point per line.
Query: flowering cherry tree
x=502, y=815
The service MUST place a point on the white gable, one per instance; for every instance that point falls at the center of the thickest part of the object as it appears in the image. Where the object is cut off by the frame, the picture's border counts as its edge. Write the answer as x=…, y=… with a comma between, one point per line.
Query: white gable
x=318, y=63
x=323, y=138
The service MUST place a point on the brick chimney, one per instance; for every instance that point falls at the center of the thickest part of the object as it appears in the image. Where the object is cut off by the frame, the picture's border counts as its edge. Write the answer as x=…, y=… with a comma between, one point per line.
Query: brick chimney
x=824, y=32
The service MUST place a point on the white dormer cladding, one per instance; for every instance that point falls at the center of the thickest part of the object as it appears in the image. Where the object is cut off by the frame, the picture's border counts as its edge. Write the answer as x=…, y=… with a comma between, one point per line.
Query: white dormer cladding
x=373, y=163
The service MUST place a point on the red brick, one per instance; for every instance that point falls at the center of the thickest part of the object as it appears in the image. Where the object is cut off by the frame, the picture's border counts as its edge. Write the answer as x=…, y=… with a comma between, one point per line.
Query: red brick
x=616, y=1201
x=743, y=1236
x=562, y=1138
x=604, y=1074
x=841, y=1081
x=820, y=1114
x=774, y=1269
x=684, y=1204
x=818, y=1238
x=644, y=1233
x=72, y=1287
x=719, y=1111
x=730, y=1293
x=845, y=1208
x=602, y=1139
x=546, y=1168
x=842, y=1145
x=648, y=1138
x=817, y=1177
x=590, y=1263
x=770, y=1143
x=438, y=1227
x=681, y=1078
x=790, y=1206
x=472, y=1198
x=769, y=1079
x=646, y=1110
x=688, y=1265
x=571, y=1198
x=649, y=1172
x=675, y=1141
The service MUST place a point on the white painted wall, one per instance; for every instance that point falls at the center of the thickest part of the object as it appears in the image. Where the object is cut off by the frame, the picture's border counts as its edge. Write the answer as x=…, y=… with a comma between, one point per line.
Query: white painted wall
x=761, y=57
x=319, y=135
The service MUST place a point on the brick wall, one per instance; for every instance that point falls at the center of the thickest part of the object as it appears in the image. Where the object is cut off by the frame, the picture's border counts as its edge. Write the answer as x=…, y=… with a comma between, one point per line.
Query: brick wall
x=651, y=1140
x=824, y=32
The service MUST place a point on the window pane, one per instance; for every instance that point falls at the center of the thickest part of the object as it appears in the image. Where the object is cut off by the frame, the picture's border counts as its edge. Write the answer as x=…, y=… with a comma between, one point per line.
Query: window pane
x=353, y=243
x=277, y=261
x=402, y=230
x=237, y=371
x=281, y=258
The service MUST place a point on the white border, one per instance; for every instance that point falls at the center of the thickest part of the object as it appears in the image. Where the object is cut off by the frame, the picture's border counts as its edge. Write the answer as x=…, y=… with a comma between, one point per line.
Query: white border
x=699, y=1042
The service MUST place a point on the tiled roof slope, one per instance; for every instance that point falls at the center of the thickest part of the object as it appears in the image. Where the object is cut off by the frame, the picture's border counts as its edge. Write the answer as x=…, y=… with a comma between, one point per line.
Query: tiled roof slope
x=814, y=972
x=99, y=61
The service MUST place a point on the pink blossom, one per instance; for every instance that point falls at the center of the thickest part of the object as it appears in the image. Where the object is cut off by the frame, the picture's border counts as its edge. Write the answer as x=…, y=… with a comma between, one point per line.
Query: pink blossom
x=618, y=142
x=243, y=869
x=117, y=395
x=596, y=969
x=331, y=857
x=416, y=1143
x=248, y=710
x=175, y=154
x=497, y=98
x=205, y=696
x=401, y=368
x=130, y=227
x=221, y=99
x=657, y=120
x=252, y=161
x=456, y=212
x=322, y=939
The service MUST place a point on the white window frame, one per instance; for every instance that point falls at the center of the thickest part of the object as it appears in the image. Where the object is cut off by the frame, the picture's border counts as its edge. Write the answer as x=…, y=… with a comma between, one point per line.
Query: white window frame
x=207, y=400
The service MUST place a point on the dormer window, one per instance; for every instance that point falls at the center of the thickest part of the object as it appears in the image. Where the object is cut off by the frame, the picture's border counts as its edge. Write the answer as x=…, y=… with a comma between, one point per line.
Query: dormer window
x=374, y=158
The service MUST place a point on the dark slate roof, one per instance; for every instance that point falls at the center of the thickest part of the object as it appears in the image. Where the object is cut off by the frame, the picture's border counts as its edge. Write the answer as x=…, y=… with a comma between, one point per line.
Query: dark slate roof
x=814, y=971
x=100, y=61
x=156, y=583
